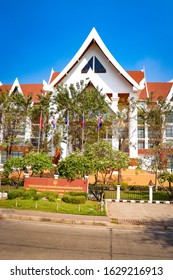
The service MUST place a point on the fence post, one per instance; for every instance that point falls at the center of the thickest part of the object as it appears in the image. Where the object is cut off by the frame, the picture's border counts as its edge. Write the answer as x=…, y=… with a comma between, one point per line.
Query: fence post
x=150, y=191
x=118, y=192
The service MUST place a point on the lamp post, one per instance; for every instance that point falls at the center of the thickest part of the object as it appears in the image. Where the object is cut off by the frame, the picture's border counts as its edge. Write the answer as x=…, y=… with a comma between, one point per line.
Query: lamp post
x=150, y=184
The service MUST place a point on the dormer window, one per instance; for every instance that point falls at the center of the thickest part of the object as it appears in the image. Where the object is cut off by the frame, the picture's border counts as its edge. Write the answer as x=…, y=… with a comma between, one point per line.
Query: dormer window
x=95, y=65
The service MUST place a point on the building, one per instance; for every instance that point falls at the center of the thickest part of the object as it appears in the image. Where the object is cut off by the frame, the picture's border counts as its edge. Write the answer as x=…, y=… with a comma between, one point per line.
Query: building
x=95, y=64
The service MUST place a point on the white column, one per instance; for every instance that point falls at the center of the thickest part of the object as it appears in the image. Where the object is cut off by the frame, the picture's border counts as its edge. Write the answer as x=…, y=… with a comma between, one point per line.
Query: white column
x=150, y=194
x=28, y=129
x=114, y=106
x=118, y=192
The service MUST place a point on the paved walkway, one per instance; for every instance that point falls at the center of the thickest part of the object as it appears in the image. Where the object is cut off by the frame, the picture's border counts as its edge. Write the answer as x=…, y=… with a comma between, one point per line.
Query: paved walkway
x=118, y=214
x=140, y=213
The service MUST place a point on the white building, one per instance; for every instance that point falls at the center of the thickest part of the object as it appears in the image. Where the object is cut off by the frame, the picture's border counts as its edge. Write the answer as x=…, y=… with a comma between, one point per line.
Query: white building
x=94, y=63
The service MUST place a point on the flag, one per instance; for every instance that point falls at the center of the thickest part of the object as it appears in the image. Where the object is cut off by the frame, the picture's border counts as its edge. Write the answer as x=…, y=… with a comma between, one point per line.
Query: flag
x=53, y=123
x=41, y=121
x=83, y=122
x=99, y=123
x=66, y=121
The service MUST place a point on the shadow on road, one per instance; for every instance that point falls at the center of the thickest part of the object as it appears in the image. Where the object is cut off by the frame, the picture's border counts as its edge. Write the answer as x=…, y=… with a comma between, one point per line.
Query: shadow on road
x=162, y=234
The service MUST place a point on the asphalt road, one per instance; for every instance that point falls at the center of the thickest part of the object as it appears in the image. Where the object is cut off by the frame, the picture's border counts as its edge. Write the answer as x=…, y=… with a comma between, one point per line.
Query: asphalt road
x=23, y=240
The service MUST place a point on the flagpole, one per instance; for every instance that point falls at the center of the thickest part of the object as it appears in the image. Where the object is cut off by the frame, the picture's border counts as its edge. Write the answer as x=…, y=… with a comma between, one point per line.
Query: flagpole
x=40, y=127
x=99, y=125
x=98, y=130
x=67, y=129
x=52, y=143
x=83, y=123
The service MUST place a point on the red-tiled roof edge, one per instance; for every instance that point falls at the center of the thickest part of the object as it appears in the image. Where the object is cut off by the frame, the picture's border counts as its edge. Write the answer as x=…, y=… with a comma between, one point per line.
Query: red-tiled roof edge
x=137, y=75
x=157, y=88
x=53, y=76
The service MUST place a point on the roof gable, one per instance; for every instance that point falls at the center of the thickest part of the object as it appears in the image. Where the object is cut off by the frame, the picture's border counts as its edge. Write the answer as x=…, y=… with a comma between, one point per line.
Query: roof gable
x=93, y=37
x=24, y=89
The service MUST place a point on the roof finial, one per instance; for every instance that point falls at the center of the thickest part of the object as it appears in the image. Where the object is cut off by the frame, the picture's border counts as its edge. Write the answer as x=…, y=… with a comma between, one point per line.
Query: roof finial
x=146, y=86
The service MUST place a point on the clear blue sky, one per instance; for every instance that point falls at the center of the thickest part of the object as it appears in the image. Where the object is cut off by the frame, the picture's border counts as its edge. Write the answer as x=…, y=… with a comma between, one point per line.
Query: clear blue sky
x=38, y=35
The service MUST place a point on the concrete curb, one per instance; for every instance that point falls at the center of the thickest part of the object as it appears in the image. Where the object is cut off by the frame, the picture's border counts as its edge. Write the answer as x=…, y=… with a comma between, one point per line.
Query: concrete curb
x=53, y=220
x=114, y=222
x=140, y=201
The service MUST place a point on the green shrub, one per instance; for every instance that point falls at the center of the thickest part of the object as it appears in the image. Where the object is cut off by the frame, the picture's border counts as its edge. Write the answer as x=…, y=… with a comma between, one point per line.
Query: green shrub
x=51, y=196
x=77, y=193
x=29, y=194
x=124, y=186
x=74, y=199
x=16, y=193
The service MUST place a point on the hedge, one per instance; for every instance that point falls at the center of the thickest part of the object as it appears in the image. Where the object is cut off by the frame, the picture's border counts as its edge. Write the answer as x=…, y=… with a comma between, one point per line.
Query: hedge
x=74, y=199
x=72, y=193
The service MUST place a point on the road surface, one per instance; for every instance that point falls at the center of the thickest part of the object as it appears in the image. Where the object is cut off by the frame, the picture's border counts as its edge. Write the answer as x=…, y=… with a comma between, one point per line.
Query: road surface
x=23, y=240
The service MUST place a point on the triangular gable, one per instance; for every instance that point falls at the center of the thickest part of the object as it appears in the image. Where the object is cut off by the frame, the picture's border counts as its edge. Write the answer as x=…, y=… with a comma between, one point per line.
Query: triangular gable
x=15, y=86
x=94, y=36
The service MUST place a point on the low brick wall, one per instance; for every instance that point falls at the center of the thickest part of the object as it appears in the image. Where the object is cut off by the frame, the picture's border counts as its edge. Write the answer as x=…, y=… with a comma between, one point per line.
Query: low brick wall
x=56, y=185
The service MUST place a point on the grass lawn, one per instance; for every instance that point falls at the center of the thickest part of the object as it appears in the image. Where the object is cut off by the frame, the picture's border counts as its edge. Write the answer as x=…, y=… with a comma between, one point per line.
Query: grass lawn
x=92, y=208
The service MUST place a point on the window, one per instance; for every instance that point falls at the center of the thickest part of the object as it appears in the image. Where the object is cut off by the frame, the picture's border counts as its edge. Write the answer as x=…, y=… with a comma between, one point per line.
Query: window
x=141, y=133
x=169, y=131
x=141, y=145
x=108, y=133
x=169, y=117
x=140, y=119
x=95, y=65
x=170, y=162
x=88, y=66
x=99, y=67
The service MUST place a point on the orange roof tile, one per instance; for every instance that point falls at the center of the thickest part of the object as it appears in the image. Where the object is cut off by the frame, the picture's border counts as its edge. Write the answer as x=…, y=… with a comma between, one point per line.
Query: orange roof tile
x=136, y=75
x=54, y=75
x=32, y=88
x=5, y=87
x=158, y=89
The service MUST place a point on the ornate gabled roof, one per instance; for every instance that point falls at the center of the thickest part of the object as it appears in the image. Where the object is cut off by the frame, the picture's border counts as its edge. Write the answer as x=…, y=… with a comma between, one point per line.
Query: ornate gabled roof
x=25, y=89
x=94, y=37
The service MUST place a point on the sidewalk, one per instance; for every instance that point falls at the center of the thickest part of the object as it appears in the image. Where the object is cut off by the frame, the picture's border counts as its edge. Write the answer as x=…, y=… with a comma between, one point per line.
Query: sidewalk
x=118, y=213
x=141, y=213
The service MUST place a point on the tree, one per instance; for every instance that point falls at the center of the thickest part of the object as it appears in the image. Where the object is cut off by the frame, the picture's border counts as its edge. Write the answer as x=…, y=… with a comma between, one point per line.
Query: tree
x=38, y=163
x=105, y=160
x=14, y=108
x=75, y=102
x=155, y=116
x=167, y=176
x=75, y=166
x=14, y=165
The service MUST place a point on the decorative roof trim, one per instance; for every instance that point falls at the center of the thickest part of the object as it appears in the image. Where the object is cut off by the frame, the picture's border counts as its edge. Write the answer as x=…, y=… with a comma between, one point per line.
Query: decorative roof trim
x=93, y=35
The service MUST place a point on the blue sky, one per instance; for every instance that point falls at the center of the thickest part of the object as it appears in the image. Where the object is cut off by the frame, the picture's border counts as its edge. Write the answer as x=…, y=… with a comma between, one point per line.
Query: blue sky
x=38, y=35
